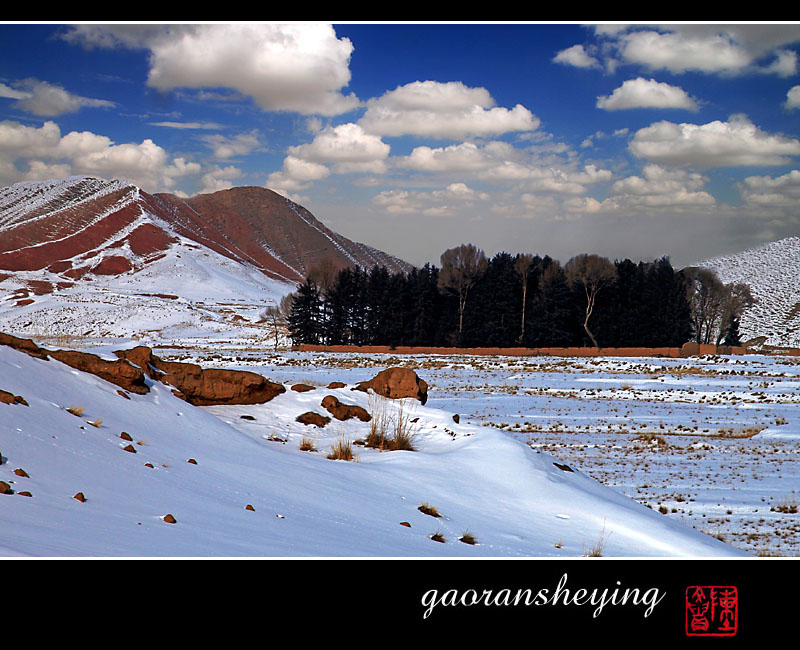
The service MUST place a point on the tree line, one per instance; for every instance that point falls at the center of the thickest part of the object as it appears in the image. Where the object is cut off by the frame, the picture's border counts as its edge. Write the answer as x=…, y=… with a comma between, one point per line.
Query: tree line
x=522, y=300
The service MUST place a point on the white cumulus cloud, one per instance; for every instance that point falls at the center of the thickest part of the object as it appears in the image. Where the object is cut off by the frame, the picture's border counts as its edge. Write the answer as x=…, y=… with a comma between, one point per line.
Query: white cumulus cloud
x=48, y=100
x=443, y=110
x=576, y=56
x=793, y=98
x=39, y=153
x=737, y=142
x=646, y=93
x=299, y=67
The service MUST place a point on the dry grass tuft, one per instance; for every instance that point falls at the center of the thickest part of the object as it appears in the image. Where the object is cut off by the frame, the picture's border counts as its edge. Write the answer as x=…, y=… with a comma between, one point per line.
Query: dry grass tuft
x=787, y=508
x=468, y=538
x=96, y=423
x=743, y=432
x=75, y=410
x=307, y=444
x=652, y=440
x=438, y=537
x=389, y=432
x=596, y=550
x=342, y=450
x=427, y=509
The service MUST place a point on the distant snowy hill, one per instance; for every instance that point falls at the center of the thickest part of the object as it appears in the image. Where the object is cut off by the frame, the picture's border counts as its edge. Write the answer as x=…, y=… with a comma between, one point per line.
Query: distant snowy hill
x=773, y=273
x=91, y=257
x=205, y=465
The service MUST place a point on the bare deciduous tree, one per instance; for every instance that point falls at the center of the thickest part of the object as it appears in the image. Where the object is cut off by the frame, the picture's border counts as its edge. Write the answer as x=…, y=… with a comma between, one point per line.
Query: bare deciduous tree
x=277, y=317
x=592, y=273
x=737, y=298
x=522, y=267
x=324, y=273
x=462, y=266
x=715, y=305
x=706, y=295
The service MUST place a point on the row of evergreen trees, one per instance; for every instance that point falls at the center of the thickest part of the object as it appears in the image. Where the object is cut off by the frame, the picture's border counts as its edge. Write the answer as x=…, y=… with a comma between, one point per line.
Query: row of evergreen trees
x=505, y=301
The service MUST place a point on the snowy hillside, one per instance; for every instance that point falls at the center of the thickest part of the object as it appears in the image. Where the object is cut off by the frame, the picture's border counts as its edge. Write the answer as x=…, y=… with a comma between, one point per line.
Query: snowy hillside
x=514, y=500
x=773, y=273
x=190, y=294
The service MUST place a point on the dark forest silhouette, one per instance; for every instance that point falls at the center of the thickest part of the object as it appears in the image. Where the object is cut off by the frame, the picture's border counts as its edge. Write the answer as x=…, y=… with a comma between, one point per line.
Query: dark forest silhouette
x=515, y=300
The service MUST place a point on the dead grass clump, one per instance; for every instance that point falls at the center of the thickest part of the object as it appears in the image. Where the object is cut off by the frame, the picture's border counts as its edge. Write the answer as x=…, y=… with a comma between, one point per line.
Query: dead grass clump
x=389, y=432
x=468, y=538
x=96, y=423
x=596, y=550
x=341, y=450
x=787, y=508
x=744, y=432
x=75, y=410
x=652, y=440
x=307, y=444
x=427, y=509
x=438, y=537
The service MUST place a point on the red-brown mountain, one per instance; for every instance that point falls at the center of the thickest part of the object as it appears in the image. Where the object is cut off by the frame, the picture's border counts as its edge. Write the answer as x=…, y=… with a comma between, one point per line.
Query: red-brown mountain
x=68, y=228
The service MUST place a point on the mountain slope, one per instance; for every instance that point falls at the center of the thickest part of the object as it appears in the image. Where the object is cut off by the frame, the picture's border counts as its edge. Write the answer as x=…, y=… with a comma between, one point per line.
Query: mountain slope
x=773, y=273
x=87, y=256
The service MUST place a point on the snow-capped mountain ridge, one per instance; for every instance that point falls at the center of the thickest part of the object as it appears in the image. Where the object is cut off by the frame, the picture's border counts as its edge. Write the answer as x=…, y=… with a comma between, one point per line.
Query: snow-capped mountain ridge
x=79, y=254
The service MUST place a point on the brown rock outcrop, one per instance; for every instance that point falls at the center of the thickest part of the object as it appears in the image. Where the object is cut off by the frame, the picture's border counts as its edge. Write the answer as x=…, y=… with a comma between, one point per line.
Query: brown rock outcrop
x=302, y=388
x=344, y=411
x=396, y=383
x=10, y=398
x=313, y=418
x=23, y=345
x=204, y=387
x=118, y=372
x=198, y=386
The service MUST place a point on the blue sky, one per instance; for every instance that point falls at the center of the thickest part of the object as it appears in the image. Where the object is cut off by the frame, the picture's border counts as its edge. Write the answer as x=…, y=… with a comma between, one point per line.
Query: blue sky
x=629, y=141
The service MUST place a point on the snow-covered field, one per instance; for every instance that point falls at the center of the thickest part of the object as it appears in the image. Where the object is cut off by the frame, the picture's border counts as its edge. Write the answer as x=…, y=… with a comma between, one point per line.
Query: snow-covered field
x=713, y=441
x=675, y=435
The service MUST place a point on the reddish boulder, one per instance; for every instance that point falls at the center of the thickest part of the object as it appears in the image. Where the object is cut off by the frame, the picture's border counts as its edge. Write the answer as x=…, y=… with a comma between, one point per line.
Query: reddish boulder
x=79, y=497
x=344, y=411
x=169, y=519
x=336, y=384
x=5, y=488
x=396, y=383
x=204, y=387
x=118, y=372
x=23, y=345
x=313, y=418
x=10, y=398
x=302, y=388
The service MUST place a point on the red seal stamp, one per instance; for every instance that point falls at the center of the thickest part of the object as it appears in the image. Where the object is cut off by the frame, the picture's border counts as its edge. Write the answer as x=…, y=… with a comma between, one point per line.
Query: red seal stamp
x=712, y=611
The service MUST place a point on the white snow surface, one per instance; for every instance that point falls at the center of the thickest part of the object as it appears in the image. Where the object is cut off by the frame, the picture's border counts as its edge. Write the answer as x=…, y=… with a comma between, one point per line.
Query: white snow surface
x=511, y=497
x=211, y=298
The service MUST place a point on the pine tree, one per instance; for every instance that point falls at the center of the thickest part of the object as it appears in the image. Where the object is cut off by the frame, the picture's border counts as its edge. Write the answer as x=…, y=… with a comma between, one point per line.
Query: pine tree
x=305, y=319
